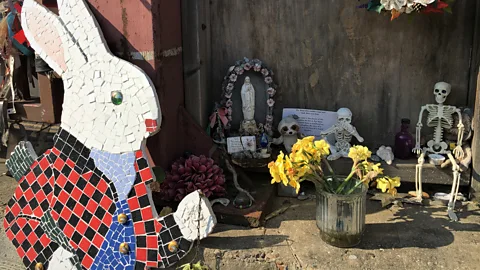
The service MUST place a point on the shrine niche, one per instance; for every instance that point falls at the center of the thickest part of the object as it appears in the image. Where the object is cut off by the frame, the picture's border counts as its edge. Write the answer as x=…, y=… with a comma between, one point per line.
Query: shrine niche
x=86, y=202
x=254, y=118
x=243, y=119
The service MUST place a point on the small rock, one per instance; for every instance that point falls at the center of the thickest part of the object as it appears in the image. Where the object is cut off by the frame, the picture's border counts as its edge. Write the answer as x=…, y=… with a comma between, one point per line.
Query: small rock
x=352, y=257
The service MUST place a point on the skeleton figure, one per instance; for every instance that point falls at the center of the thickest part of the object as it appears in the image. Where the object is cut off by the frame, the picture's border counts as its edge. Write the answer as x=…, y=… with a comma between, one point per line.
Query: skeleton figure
x=440, y=117
x=343, y=131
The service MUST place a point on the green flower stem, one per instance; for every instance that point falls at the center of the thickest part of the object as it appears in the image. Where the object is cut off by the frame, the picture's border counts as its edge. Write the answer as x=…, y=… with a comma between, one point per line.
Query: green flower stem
x=354, y=188
x=329, y=168
x=345, y=182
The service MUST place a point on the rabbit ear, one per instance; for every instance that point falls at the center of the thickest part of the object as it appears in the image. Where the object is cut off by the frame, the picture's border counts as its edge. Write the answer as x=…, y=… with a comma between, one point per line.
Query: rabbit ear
x=48, y=37
x=80, y=21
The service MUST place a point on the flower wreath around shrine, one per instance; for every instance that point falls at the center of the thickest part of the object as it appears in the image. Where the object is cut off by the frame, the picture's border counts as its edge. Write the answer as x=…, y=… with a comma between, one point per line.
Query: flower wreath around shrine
x=399, y=7
x=230, y=79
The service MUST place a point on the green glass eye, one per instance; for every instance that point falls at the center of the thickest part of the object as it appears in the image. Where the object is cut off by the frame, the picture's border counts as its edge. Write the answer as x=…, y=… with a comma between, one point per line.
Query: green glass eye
x=117, y=97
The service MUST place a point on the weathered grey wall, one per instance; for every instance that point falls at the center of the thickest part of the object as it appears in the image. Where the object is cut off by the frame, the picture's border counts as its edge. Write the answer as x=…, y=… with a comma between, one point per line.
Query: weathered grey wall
x=327, y=54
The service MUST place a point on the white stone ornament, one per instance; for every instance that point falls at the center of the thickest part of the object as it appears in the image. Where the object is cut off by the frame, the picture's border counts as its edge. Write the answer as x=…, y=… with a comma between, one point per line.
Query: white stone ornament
x=289, y=129
x=195, y=216
x=386, y=154
x=343, y=131
x=439, y=117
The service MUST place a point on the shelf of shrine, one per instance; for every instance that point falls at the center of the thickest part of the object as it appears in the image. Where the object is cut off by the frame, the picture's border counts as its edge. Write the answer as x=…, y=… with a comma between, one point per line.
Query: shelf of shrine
x=405, y=169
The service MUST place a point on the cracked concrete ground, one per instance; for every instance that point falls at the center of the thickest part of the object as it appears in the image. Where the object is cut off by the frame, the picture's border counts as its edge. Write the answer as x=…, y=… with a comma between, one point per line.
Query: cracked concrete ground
x=409, y=237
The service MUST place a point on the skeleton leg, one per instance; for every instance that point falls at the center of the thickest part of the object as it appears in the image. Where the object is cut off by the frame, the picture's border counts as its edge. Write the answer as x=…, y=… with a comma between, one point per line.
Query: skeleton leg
x=455, y=184
x=418, y=176
x=334, y=154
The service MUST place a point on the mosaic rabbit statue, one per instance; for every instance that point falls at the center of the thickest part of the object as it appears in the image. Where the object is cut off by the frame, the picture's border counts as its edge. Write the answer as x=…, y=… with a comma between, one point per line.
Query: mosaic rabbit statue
x=85, y=203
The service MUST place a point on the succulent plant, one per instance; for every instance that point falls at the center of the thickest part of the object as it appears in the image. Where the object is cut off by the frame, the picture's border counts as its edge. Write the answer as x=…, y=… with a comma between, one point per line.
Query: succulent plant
x=190, y=174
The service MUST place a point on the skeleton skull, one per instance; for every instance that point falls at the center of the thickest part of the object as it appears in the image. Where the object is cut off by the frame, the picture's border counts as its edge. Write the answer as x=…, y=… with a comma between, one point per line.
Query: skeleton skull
x=344, y=116
x=441, y=92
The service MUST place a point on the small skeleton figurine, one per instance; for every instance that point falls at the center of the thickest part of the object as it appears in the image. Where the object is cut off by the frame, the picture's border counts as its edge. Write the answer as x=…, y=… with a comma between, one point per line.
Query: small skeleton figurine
x=440, y=117
x=290, y=132
x=343, y=131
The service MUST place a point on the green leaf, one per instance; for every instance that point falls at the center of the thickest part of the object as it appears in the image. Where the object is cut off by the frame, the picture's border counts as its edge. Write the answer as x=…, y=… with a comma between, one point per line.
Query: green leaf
x=159, y=173
x=375, y=6
x=184, y=266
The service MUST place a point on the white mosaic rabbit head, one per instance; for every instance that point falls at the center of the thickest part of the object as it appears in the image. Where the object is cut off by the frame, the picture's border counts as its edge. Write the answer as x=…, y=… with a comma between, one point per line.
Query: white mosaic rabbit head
x=109, y=104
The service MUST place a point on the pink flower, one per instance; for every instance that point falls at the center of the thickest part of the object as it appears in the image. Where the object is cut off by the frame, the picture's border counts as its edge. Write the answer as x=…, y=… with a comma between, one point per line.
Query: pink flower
x=229, y=103
x=228, y=95
x=257, y=67
x=270, y=102
x=268, y=80
x=239, y=70
x=233, y=78
x=264, y=71
x=247, y=66
x=230, y=87
x=271, y=91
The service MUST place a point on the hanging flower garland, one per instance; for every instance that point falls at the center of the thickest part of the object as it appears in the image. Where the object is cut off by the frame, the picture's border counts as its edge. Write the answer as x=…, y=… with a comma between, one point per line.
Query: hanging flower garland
x=399, y=7
x=229, y=84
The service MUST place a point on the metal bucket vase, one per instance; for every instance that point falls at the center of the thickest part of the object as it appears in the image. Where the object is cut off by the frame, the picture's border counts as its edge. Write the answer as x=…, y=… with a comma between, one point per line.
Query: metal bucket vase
x=341, y=218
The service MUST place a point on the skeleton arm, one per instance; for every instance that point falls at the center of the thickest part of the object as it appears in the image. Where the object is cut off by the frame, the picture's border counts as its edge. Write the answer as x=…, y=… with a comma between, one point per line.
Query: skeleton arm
x=418, y=131
x=353, y=131
x=332, y=129
x=458, y=151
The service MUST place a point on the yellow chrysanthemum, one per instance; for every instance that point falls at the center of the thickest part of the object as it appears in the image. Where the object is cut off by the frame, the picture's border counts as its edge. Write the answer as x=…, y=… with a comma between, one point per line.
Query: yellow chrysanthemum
x=394, y=181
x=281, y=168
x=274, y=172
x=383, y=184
x=323, y=147
x=359, y=152
x=290, y=170
x=388, y=183
x=295, y=184
x=371, y=170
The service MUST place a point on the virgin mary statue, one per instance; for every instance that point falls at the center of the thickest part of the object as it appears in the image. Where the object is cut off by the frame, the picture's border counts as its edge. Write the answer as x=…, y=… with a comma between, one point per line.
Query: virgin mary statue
x=248, y=125
x=248, y=100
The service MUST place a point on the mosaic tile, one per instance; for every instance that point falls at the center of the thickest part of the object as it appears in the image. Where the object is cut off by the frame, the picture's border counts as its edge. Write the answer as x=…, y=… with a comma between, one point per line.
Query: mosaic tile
x=21, y=158
x=81, y=200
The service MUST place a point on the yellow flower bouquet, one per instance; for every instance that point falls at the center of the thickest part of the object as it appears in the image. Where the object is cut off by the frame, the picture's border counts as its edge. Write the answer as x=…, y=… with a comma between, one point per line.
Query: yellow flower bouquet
x=309, y=158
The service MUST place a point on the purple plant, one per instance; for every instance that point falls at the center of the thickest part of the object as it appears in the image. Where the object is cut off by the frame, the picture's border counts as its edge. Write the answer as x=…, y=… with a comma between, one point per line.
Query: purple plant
x=193, y=173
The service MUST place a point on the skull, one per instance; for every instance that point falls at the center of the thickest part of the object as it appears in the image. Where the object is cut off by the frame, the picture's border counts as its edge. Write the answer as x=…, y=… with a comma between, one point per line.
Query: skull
x=344, y=116
x=441, y=92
